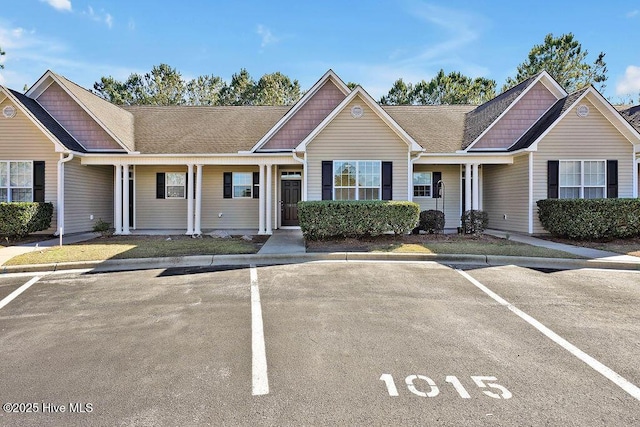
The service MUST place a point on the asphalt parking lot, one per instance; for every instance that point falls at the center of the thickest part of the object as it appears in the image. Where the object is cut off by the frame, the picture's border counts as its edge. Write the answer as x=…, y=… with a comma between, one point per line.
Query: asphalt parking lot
x=357, y=343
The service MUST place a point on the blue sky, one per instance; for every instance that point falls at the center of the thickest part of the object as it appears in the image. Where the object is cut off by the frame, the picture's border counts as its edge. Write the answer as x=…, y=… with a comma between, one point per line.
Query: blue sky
x=371, y=42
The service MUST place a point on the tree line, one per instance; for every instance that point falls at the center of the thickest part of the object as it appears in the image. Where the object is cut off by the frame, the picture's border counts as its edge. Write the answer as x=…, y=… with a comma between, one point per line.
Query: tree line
x=562, y=57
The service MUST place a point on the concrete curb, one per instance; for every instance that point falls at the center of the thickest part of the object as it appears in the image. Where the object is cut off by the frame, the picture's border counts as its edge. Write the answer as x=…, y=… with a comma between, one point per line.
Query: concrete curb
x=272, y=259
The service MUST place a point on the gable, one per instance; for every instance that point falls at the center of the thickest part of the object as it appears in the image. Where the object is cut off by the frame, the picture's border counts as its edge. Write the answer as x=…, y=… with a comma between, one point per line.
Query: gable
x=307, y=118
x=520, y=117
x=75, y=119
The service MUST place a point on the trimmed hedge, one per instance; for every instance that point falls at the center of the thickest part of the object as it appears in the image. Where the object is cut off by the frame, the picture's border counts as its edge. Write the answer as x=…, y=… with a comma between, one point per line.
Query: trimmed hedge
x=20, y=219
x=331, y=218
x=474, y=221
x=585, y=219
x=432, y=221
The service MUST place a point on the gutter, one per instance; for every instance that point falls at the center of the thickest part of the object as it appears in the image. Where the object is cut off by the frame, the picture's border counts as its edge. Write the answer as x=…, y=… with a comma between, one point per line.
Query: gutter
x=60, y=201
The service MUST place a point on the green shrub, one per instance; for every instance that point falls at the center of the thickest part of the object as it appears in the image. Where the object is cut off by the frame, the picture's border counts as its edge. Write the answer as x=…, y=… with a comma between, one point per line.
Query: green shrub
x=590, y=219
x=327, y=218
x=432, y=221
x=474, y=222
x=103, y=228
x=20, y=219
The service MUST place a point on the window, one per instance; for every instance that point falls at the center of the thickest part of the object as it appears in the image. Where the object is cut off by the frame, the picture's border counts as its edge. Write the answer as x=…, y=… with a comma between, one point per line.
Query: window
x=582, y=179
x=175, y=185
x=357, y=180
x=422, y=184
x=16, y=181
x=242, y=184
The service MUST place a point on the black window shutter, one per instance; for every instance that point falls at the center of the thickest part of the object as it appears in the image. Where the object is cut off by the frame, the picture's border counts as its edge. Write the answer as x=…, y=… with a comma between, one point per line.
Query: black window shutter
x=256, y=185
x=387, y=180
x=612, y=179
x=228, y=190
x=38, y=181
x=437, y=177
x=160, y=185
x=553, y=173
x=327, y=180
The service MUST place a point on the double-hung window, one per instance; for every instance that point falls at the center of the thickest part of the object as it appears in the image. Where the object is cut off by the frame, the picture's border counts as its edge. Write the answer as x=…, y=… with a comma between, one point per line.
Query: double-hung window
x=176, y=183
x=16, y=181
x=242, y=185
x=357, y=179
x=422, y=184
x=582, y=179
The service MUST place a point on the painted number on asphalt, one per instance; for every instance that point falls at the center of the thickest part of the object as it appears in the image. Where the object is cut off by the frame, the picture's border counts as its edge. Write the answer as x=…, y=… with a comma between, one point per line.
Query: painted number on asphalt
x=423, y=386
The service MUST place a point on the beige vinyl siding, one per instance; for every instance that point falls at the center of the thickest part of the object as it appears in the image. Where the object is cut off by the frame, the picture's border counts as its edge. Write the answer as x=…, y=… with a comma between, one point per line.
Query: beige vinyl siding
x=88, y=191
x=364, y=138
x=451, y=193
x=236, y=213
x=21, y=139
x=582, y=138
x=152, y=213
x=506, y=192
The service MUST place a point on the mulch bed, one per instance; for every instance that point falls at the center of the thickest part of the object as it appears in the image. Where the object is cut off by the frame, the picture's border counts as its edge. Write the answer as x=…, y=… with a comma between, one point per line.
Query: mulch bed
x=370, y=243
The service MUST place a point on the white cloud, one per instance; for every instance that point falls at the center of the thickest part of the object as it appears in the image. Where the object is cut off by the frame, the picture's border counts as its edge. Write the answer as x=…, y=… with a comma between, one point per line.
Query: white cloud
x=266, y=35
x=633, y=13
x=630, y=83
x=100, y=16
x=59, y=4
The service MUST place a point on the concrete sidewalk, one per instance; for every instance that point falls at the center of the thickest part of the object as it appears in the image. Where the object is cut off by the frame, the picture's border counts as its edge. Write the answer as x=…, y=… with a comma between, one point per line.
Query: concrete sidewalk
x=576, y=250
x=284, y=242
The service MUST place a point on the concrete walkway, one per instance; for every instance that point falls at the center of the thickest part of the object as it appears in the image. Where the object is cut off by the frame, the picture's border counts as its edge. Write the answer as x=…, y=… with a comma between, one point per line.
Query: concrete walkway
x=576, y=250
x=284, y=242
x=12, y=251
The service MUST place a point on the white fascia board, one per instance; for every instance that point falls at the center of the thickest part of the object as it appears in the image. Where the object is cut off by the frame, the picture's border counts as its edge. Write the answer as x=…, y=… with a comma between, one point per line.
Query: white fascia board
x=59, y=146
x=534, y=145
x=34, y=90
x=619, y=119
x=329, y=75
x=461, y=159
x=555, y=89
x=185, y=159
x=375, y=107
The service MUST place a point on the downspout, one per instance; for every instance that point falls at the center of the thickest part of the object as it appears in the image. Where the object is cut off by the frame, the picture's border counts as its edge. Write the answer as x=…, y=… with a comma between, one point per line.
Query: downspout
x=60, y=203
x=636, y=172
x=410, y=173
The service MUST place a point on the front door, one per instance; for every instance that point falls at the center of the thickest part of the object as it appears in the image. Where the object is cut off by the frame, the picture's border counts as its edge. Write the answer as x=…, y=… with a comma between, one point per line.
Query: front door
x=291, y=195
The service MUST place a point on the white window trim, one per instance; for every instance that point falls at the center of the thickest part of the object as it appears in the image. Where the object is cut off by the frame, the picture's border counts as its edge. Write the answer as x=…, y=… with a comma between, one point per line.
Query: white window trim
x=413, y=185
x=233, y=186
x=9, y=187
x=582, y=186
x=357, y=186
x=166, y=186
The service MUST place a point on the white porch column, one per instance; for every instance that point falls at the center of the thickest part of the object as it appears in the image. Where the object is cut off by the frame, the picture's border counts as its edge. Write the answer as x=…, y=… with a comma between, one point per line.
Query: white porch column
x=118, y=201
x=475, y=192
x=125, y=199
x=190, y=185
x=197, y=225
x=467, y=186
x=268, y=196
x=261, y=200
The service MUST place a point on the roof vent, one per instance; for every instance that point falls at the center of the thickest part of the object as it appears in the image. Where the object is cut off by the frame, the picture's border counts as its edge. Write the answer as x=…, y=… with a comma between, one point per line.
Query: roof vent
x=357, y=111
x=582, y=110
x=9, y=111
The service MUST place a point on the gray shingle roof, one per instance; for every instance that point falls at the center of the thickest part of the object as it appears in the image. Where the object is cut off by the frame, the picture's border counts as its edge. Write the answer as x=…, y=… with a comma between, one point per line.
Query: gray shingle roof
x=201, y=129
x=547, y=120
x=437, y=128
x=632, y=115
x=48, y=122
x=115, y=119
x=483, y=116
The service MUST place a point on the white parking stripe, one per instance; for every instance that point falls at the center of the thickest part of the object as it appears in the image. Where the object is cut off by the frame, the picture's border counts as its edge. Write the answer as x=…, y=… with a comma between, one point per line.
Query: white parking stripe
x=18, y=291
x=602, y=369
x=259, y=354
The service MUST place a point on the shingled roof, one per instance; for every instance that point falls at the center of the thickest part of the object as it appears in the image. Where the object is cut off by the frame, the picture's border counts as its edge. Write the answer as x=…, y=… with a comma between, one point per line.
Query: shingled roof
x=201, y=129
x=48, y=122
x=437, y=128
x=632, y=115
x=113, y=118
x=478, y=120
x=547, y=120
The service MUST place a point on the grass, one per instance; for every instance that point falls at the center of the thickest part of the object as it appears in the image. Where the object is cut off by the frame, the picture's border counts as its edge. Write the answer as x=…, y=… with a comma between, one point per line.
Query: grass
x=430, y=244
x=6, y=241
x=121, y=247
x=630, y=246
